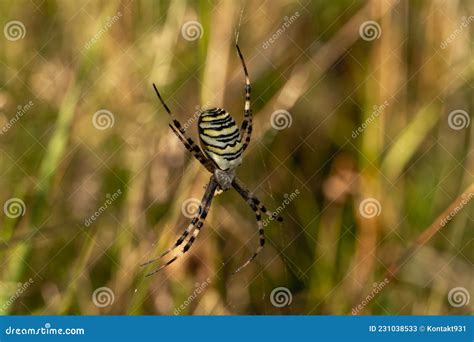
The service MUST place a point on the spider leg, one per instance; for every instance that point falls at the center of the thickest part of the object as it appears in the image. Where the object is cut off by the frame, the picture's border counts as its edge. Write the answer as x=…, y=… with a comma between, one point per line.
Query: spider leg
x=194, y=228
x=194, y=149
x=178, y=129
x=261, y=235
x=178, y=242
x=246, y=128
x=246, y=195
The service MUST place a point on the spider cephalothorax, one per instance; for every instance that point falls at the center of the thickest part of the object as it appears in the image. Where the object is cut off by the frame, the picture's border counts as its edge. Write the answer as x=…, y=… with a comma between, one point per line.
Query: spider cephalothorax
x=223, y=144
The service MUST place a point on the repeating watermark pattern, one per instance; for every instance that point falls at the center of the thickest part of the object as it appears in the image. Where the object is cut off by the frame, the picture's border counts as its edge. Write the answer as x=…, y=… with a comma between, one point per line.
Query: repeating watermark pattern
x=280, y=297
x=370, y=30
x=458, y=119
x=465, y=22
x=286, y=24
x=281, y=119
x=108, y=202
x=458, y=297
x=370, y=207
x=109, y=22
x=21, y=110
x=103, y=296
x=14, y=207
x=14, y=30
x=192, y=30
x=191, y=207
x=21, y=288
x=465, y=200
x=103, y=119
x=197, y=112
x=197, y=291
x=377, y=110
x=288, y=199
x=375, y=290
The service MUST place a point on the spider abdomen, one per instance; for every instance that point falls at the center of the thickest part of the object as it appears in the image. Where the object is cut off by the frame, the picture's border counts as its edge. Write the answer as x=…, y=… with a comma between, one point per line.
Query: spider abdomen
x=220, y=138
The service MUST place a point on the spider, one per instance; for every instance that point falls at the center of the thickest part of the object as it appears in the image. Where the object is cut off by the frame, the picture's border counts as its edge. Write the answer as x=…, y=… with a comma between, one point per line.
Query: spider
x=222, y=146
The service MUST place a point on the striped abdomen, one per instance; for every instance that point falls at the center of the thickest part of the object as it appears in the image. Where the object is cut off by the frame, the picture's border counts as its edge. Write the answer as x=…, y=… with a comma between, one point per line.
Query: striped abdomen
x=220, y=138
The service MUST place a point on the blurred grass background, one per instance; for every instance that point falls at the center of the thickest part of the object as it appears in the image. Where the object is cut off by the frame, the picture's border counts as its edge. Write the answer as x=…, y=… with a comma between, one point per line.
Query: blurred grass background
x=319, y=69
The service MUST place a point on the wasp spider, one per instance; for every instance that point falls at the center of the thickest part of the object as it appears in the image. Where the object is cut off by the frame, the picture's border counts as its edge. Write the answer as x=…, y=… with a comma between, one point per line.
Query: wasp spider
x=223, y=144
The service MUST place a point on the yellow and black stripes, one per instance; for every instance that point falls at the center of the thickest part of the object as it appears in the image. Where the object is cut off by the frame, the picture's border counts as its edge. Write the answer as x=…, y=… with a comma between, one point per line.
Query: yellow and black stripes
x=220, y=138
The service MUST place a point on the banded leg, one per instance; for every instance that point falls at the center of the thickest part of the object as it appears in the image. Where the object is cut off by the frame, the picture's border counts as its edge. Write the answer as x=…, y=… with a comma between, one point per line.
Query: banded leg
x=190, y=145
x=194, y=228
x=247, y=196
x=261, y=234
x=194, y=149
x=178, y=242
x=246, y=128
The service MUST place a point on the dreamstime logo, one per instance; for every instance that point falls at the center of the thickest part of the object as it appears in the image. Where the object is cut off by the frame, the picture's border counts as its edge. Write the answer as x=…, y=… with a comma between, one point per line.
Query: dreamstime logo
x=111, y=198
x=108, y=24
x=465, y=22
x=191, y=207
x=288, y=199
x=370, y=208
x=464, y=201
x=458, y=296
x=286, y=24
x=281, y=119
x=192, y=30
x=14, y=30
x=370, y=30
x=103, y=119
x=21, y=110
x=377, y=287
x=14, y=207
x=21, y=287
x=375, y=113
x=47, y=329
x=102, y=297
x=197, y=290
x=197, y=112
x=280, y=297
x=458, y=119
